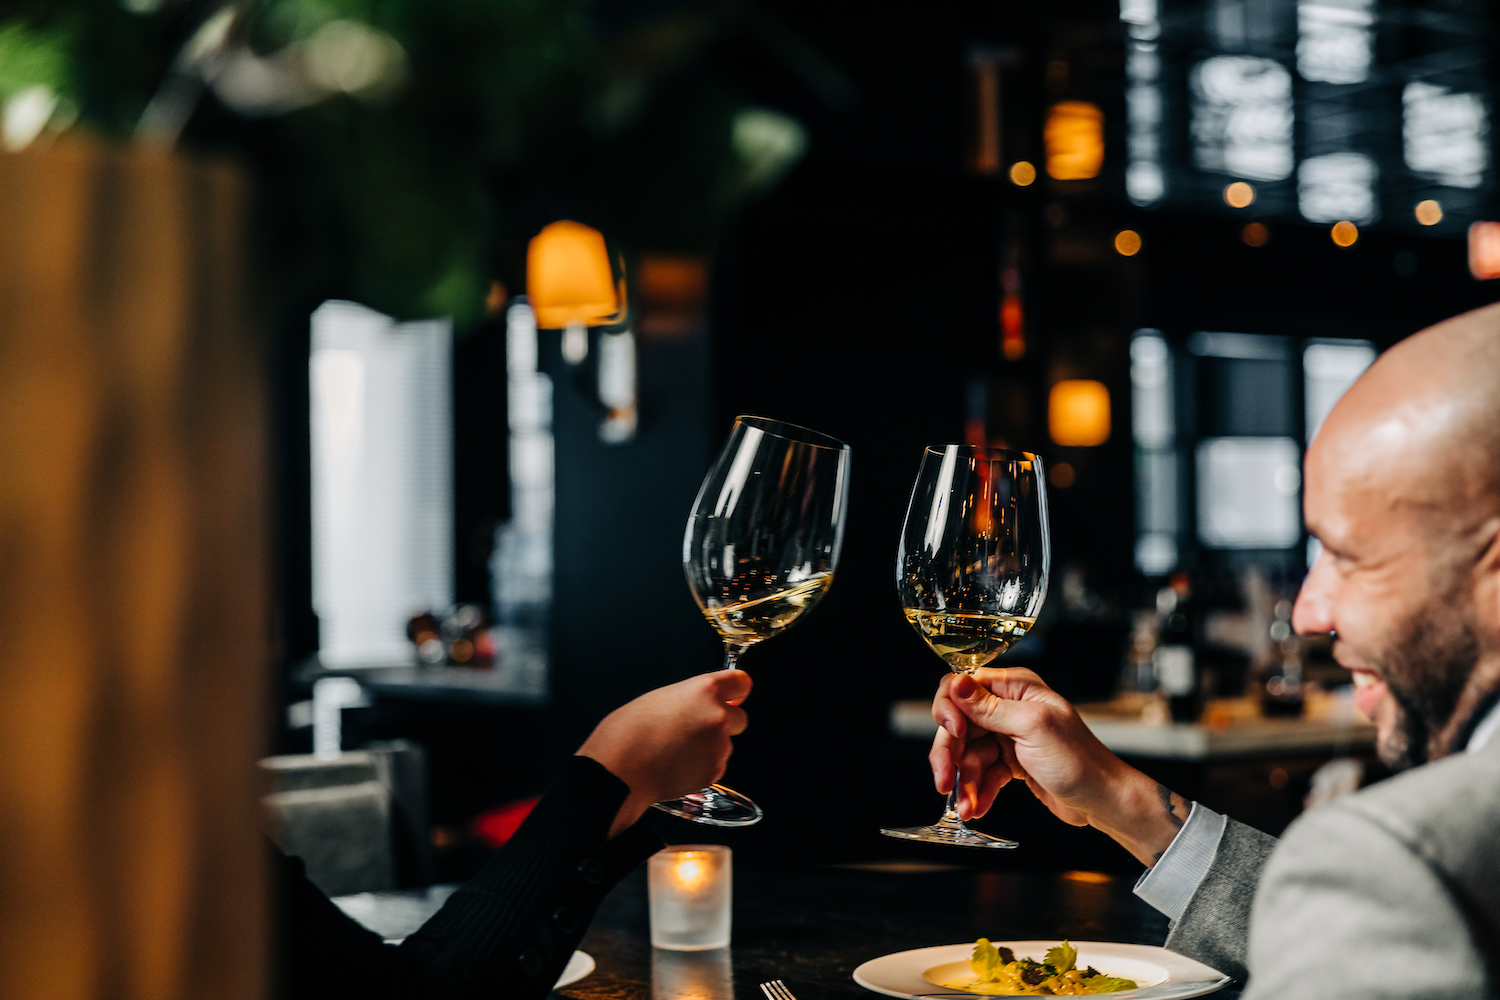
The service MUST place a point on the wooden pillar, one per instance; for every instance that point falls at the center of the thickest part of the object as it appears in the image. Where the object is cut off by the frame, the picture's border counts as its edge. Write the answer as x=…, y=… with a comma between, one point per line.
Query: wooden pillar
x=133, y=605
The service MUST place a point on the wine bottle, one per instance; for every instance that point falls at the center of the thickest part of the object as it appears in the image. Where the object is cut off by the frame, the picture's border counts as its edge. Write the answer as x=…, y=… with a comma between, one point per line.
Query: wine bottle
x=1175, y=659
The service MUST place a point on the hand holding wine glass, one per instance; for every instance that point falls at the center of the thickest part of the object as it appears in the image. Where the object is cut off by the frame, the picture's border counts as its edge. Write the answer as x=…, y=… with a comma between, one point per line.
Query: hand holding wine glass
x=971, y=572
x=1000, y=724
x=761, y=546
x=672, y=740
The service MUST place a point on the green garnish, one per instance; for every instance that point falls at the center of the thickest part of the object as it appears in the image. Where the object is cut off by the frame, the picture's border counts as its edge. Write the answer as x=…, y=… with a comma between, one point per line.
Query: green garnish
x=985, y=959
x=1061, y=957
x=999, y=969
x=1109, y=984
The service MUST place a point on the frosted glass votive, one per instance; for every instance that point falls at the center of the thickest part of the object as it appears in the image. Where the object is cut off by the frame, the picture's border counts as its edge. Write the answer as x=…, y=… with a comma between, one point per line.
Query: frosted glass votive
x=690, y=888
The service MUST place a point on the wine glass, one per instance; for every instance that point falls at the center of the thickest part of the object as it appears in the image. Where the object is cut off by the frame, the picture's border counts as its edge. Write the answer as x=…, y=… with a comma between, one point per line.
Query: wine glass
x=972, y=573
x=761, y=545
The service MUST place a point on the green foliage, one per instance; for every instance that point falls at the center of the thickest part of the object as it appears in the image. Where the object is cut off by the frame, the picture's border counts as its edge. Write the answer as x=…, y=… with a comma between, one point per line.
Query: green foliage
x=415, y=195
x=30, y=57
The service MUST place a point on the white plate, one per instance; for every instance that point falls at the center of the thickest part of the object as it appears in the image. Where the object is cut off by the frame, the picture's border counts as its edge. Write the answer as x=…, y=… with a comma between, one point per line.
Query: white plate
x=580, y=965
x=1164, y=975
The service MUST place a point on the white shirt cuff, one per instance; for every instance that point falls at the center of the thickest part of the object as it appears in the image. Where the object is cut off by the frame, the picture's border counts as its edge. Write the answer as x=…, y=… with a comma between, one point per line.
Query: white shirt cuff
x=1171, y=883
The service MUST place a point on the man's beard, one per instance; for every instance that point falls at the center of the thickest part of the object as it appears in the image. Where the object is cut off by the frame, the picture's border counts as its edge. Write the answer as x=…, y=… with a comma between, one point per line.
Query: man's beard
x=1426, y=669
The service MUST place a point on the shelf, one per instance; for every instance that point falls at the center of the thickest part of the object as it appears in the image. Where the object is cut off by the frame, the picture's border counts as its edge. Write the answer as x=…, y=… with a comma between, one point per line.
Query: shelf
x=495, y=685
x=1130, y=737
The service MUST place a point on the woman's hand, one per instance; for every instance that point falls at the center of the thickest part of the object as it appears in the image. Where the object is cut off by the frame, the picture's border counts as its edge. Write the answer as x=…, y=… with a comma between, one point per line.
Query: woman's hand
x=670, y=741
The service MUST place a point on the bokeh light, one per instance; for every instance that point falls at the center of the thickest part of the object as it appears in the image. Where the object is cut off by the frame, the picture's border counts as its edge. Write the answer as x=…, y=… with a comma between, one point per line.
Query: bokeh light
x=1239, y=195
x=1484, y=250
x=1255, y=234
x=1429, y=212
x=1128, y=242
x=1344, y=233
x=1022, y=173
x=353, y=58
x=1074, y=136
x=1078, y=413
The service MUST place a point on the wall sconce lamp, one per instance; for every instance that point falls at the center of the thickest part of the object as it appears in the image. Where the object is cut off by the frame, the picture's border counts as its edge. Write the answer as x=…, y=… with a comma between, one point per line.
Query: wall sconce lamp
x=572, y=286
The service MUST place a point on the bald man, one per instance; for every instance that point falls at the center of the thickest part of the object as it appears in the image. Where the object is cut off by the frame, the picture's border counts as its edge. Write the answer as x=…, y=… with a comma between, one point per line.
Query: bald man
x=1393, y=891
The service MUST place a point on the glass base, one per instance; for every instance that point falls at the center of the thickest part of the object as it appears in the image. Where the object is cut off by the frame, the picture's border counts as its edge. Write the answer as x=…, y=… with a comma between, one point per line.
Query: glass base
x=950, y=832
x=715, y=806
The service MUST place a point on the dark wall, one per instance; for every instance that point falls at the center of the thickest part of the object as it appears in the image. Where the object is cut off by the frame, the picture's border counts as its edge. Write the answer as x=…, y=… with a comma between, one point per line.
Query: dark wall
x=623, y=620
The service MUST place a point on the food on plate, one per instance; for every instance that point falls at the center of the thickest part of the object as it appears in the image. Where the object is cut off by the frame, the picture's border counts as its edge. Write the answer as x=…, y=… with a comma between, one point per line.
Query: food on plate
x=999, y=971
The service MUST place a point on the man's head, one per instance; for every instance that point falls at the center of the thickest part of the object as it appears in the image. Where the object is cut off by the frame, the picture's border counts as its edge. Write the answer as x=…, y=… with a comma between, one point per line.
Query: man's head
x=1403, y=490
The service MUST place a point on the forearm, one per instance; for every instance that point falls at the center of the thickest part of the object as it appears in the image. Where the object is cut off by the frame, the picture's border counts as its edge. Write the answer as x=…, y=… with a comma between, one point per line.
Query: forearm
x=1213, y=923
x=507, y=933
x=631, y=811
x=513, y=927
x=637, y=800
x=1140, y=814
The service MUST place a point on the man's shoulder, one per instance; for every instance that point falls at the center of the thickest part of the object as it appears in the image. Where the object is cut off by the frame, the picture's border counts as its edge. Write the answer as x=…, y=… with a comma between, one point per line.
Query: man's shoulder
x=1447, y=813
x=1459, y=794
x=1392, y=875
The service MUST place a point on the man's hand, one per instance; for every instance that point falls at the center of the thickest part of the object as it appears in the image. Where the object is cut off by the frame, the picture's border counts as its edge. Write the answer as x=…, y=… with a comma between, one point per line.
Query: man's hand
x=672, y=740
x=1001, y=724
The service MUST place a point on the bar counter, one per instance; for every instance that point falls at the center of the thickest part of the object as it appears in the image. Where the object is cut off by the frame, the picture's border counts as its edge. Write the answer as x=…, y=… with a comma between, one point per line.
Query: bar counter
x=1226, y=736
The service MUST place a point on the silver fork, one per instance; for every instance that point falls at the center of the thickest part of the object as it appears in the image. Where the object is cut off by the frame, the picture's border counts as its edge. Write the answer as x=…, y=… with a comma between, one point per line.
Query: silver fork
x=776, y=990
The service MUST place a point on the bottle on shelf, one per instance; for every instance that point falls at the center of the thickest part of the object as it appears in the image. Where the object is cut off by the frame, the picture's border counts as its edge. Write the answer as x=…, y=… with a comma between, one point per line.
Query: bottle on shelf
x=1175, y=661
x=1283, y=693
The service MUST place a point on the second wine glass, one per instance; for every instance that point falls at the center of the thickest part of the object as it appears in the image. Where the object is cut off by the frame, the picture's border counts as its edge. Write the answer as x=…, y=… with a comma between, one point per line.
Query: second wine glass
x=971, y=573
x=761, y=545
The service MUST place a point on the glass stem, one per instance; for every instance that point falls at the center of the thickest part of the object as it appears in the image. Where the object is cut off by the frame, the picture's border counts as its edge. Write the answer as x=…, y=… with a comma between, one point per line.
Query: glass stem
x=950, y=809
x=731, y=657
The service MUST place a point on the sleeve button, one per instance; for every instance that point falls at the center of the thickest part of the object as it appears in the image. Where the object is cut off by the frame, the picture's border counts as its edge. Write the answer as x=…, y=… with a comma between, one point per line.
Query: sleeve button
x=566, y=920
x=532, y=962
x=591, y=871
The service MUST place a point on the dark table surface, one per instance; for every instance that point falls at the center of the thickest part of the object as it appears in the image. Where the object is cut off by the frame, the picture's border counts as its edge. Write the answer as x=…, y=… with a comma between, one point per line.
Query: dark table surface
x=812, y=926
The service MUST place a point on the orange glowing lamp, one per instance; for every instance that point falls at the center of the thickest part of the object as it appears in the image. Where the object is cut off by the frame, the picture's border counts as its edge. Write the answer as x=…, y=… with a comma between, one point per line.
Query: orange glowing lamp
x=569, y=279
x=1078, y=413
x=1074, y=137
x=1484, y=250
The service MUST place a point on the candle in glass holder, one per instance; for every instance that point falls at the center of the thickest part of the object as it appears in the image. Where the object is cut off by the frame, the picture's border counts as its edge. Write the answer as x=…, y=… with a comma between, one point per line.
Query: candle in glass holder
x=690, y=892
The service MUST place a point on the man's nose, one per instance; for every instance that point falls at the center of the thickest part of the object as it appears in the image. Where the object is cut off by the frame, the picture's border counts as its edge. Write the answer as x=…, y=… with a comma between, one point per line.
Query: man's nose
x=1313, y=612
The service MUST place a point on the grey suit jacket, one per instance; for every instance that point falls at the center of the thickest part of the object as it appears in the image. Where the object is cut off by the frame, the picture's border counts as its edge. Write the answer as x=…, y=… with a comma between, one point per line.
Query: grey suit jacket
x=1393, y=891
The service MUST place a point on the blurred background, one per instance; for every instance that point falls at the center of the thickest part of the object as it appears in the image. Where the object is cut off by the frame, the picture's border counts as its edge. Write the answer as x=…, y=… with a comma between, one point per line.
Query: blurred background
x=508, y=269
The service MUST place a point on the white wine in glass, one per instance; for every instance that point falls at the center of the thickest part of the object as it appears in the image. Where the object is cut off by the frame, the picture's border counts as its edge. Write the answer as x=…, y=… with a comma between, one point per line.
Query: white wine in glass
x=971, y=573
x=761, y=545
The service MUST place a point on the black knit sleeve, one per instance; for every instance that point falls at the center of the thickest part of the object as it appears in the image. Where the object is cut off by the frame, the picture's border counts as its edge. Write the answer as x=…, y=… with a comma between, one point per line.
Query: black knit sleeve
x=321, y=951
x=508, y=933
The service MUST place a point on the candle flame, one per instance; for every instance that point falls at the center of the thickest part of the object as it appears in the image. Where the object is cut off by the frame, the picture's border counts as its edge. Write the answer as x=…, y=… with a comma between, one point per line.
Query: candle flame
x=689, y=872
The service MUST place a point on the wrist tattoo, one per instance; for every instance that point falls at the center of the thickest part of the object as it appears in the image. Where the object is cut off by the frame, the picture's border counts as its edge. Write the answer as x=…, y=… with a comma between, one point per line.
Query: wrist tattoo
x=1172, y=802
